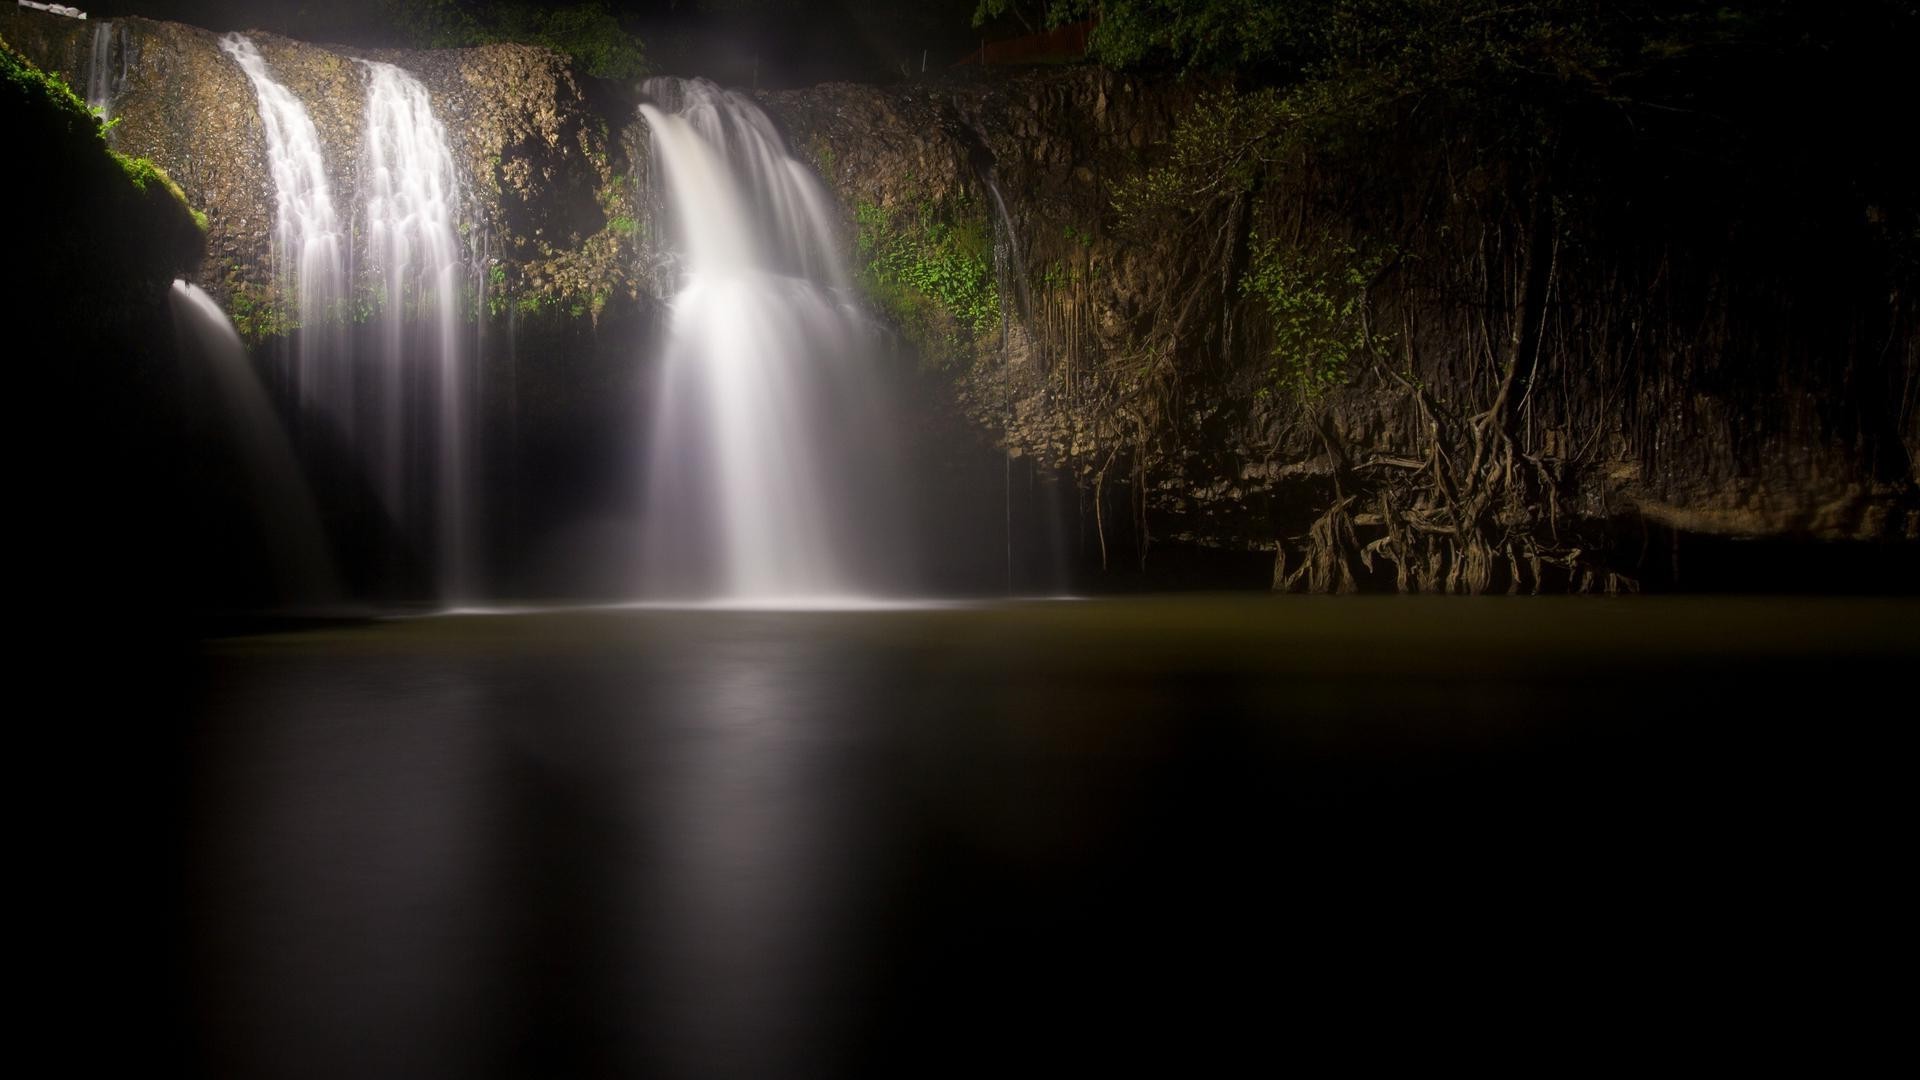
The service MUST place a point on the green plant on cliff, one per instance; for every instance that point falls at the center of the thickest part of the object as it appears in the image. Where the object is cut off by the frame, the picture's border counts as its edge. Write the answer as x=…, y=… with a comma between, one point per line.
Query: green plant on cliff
x=1219, y=149
x=931, y=270
x=1317, y=299
x=255, y=316
x=24, y=82
x=144, y=173
x=115, y=220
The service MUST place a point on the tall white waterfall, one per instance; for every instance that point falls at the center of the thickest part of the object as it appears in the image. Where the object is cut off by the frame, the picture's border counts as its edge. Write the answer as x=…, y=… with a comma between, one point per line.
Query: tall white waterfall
x=309, y=246
x=766, y=478
x=414, y=257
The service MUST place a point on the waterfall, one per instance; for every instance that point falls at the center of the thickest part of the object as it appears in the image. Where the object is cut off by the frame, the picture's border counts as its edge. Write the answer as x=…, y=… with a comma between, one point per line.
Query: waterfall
x=309, y=247
x=407, y=414
x=288, y=519
x=103, y=76
x=1009, y=266
x=766, y=478
x=415, y=266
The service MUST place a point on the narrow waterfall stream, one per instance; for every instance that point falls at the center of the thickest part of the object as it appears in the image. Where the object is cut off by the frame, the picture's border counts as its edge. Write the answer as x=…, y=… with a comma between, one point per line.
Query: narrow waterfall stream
x=105, y=69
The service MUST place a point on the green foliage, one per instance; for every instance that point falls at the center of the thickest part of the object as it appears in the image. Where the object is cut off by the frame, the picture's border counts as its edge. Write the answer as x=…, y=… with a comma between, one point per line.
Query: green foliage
x=254, y=313
x=623, y=225
x=930, y=264
x=1317, y=300
x=22, y=82
x=588, y=31
x=1218, y=149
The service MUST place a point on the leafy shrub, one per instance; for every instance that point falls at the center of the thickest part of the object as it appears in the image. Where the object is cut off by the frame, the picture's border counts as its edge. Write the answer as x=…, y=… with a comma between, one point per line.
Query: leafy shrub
x=1317, y=300
x=945, y=260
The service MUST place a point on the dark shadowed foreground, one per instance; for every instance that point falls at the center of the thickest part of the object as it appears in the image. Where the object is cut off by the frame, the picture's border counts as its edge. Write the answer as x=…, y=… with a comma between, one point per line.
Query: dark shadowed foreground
x=1021, y=837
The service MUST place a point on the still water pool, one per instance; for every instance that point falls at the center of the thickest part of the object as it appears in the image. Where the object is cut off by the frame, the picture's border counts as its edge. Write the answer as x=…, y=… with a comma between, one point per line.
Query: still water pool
x=1043, y=835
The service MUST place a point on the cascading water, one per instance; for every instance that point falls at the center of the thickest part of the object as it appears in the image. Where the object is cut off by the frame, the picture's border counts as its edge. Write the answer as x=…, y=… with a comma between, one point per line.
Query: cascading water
x=104, y=76
x=1009, y=266
x=309, y=247
x=407, y=415
x=766, y=478
x=415, y=262
x=288, y=520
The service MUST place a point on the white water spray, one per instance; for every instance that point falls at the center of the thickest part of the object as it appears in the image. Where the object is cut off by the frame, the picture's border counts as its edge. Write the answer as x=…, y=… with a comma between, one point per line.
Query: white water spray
x=309, y=247
x=765, y=481
x=288, y=519
x=413, y=201
x=103, y=75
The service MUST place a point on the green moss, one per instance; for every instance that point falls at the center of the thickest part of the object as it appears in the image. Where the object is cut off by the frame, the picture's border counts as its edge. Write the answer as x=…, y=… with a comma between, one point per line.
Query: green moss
x=118, y=220
x=145, y=174
x=22, y=81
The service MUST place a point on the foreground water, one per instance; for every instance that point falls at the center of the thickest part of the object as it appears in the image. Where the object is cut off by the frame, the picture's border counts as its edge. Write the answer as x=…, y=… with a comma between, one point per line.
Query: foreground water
x=1023, y=836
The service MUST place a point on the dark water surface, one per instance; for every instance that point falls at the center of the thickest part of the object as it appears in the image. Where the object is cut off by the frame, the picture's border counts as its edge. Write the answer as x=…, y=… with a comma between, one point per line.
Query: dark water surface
x=1024, y=837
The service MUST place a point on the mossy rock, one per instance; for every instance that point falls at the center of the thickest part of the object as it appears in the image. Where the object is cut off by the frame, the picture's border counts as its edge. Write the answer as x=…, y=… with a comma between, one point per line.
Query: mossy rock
x=90, y=224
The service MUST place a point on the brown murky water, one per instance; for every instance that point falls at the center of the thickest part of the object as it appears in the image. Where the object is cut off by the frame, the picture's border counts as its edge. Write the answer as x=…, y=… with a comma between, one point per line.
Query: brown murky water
x=1015, y=837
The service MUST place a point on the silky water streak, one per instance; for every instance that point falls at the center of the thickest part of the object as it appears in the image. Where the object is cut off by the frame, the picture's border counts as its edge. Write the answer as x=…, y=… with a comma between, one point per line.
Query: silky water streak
x=770, y=471
x=424, y=430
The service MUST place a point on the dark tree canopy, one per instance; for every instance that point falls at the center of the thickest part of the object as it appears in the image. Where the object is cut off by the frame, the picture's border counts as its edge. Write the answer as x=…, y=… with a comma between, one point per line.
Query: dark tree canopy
x=587, y=31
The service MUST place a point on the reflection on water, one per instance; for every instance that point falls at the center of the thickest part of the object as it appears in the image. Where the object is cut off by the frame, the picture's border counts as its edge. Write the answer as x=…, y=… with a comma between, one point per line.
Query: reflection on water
x=717, y=843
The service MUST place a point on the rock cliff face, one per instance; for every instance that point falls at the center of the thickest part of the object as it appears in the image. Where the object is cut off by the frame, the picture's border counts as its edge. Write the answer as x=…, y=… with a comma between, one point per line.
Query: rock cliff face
x=548, y=202
x=1556, y=397
x=1510, y=393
